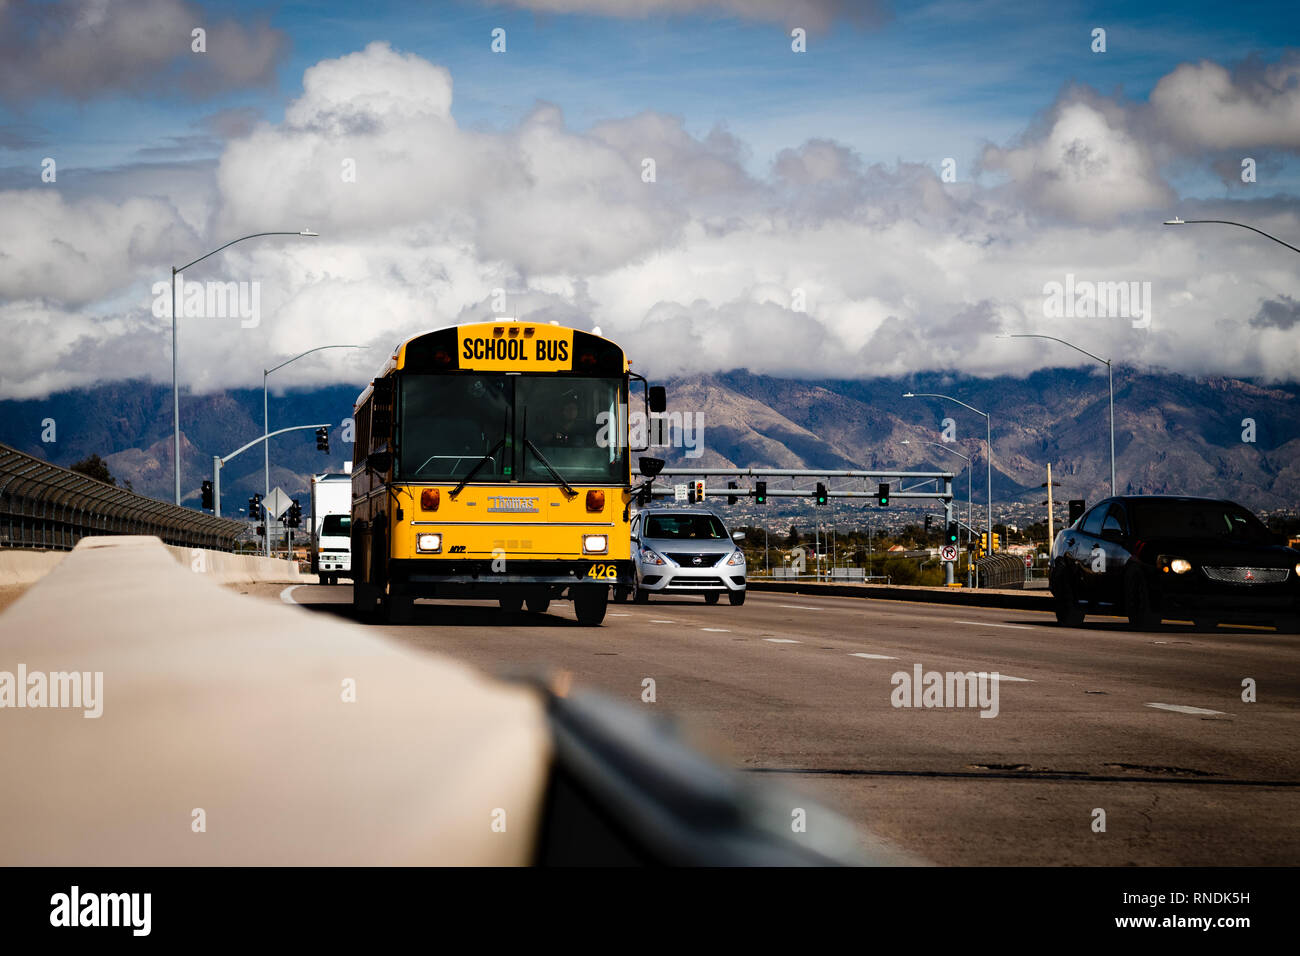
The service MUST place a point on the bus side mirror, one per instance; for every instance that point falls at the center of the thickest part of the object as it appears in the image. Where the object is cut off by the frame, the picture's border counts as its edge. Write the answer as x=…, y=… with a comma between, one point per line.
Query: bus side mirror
x=650, y=467
x=658, y=400
x=380, y=461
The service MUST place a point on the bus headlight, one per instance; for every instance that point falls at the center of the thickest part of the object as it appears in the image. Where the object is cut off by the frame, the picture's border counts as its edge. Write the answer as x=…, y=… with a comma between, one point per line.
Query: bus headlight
x=595, y=544
x=428, y=543
x=737, y=557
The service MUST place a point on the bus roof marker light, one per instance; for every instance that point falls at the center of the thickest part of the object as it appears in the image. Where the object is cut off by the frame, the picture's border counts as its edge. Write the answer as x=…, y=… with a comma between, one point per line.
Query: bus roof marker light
x=528, y=331
x=498, y=331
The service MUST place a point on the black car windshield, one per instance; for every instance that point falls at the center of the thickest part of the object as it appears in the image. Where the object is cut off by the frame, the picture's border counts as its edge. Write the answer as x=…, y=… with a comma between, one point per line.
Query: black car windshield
x=449, y=423
x=1198, y=519
x=685, y=527
x=338, y=525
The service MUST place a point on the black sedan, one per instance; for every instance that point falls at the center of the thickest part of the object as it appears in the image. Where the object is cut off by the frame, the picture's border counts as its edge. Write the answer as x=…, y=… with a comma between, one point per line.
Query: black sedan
x=1156, y=556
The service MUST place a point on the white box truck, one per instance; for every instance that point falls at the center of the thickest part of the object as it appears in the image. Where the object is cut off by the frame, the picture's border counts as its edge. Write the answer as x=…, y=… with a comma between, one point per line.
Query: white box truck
x=331, y=527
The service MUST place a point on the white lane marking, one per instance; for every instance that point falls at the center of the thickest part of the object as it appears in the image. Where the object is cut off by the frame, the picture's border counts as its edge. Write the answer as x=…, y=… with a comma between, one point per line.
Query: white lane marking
x=661, y=622
x=1021, y=680
x=612, y=614
x=287, y=594
x=1184, y=709
x=801, y=607
x=781, y=640
x=875, y=657
x=717, y=630
x=1014, y=627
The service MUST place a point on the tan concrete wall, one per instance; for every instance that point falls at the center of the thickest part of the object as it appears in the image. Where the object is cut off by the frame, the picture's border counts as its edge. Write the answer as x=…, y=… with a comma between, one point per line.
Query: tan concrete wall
x=25, y=567
x=234, y=706
x=226, y=568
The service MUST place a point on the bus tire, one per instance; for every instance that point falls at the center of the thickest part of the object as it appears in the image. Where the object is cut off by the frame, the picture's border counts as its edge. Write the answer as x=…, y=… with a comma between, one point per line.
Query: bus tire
x=399, y=610
x=511, y=605
x=620, y=594
x=538, y=605
x=589, y=604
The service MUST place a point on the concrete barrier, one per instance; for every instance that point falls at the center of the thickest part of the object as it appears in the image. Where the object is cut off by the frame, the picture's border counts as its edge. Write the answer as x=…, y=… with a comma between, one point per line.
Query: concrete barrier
x=227, y=568
x=26, y=567
x=239, y=732
x=964, y=597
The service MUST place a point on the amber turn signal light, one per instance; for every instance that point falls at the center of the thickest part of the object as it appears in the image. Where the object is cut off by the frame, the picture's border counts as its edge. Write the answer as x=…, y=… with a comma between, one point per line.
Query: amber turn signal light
x=429, y=499
x=595, y=500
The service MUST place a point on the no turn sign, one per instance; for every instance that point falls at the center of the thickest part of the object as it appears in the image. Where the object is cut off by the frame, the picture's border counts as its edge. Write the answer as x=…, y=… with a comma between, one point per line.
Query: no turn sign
x=948, y=552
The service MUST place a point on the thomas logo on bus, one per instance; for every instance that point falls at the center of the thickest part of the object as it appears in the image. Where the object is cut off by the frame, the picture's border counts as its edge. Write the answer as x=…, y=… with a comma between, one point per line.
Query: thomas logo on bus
x=516, y=347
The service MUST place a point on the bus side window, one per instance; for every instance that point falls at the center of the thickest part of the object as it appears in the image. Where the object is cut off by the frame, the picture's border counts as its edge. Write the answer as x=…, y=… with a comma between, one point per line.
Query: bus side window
x=361, y=436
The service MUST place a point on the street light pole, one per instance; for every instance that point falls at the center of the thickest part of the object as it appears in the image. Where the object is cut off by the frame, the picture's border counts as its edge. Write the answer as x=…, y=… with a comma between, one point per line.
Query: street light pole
x=1228, y=222
x=970, y=467
x=266, y=428
x=988, y=441
x=176, y=396
x=1110, y=377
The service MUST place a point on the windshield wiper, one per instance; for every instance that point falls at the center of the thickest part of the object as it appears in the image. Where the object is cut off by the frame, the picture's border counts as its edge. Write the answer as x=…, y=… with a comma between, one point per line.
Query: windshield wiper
x=568, y=491
x=477, y=468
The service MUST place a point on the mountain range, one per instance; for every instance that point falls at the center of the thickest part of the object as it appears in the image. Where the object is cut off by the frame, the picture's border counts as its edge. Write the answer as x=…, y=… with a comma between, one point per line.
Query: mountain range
x=1173, y=433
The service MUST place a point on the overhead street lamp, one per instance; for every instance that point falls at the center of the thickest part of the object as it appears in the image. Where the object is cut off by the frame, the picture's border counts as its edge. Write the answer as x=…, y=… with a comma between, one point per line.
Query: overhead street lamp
x=988, y=442
x=969, y=468
x=1228, y=222
x=1110, y=375
x=266, y=444
x=176, y=400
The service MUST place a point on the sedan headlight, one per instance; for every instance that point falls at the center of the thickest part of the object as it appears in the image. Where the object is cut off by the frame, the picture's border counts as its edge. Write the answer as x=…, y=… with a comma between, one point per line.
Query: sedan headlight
x=737, y=557
x=1168, y=563
x=429, y=543
x=649, y=557
x=595, y=544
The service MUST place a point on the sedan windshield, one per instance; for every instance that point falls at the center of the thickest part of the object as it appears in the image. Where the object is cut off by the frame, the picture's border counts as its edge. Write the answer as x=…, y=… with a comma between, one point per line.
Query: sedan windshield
x=685, y=527
x=1198, y=519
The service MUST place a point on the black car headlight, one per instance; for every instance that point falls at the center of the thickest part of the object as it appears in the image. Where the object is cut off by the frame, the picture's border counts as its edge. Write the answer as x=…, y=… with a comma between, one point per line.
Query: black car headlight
x=1169, y=563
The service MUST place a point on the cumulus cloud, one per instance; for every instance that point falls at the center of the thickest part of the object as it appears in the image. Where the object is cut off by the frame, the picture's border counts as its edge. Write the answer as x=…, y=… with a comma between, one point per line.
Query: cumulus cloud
x=820, y=266
x=1083, y=162
x=89, y=48
x=1257, y=105
x=811, y=14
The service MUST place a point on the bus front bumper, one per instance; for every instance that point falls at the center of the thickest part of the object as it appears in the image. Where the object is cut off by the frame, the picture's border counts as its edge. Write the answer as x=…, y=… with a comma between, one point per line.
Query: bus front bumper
x=464, y=577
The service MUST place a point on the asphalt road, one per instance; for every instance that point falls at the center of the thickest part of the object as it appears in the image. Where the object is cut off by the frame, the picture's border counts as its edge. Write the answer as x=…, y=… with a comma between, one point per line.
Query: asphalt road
x=799, y=688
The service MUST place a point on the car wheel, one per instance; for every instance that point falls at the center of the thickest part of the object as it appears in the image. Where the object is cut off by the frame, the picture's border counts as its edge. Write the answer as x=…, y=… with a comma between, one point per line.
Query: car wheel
x=512, y=605
x=620, y=594
x=639, y=594
x=1068, y=611
x=538, y=605
x=736, y=598
x=589, y=605
x=1142, y=616
x=712, y=598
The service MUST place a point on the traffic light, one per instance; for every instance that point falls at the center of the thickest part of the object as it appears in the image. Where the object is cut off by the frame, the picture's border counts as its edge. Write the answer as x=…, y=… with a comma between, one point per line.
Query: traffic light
x=323, y=439
x=1076, y=509
x=927, y=524
x=254, y=503
x=731, y=486
x=952, y=533
x=882, y=493
x=261, y=531
x=821, y=493
x=294, y=518
x=205, y=495
x=760, y=492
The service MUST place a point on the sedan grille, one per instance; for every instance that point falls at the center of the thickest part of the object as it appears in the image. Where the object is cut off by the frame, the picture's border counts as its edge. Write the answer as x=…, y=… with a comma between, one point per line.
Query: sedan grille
x=689, y=560
x=1247, y=575
x=686, y=584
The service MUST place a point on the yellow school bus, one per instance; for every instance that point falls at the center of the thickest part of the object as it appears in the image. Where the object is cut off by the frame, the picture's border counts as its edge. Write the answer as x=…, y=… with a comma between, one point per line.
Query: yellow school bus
x=491, y=460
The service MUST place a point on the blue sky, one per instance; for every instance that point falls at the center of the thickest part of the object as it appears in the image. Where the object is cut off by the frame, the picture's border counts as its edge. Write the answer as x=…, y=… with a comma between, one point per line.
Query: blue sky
x=938, y=80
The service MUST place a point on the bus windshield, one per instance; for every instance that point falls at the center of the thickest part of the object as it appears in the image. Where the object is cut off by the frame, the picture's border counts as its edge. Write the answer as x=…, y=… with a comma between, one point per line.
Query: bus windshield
x=449, y=423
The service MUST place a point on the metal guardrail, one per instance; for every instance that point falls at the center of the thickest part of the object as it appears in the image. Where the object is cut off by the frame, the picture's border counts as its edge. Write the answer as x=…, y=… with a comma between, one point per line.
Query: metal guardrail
x=1001, y=571
x=52, y=508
